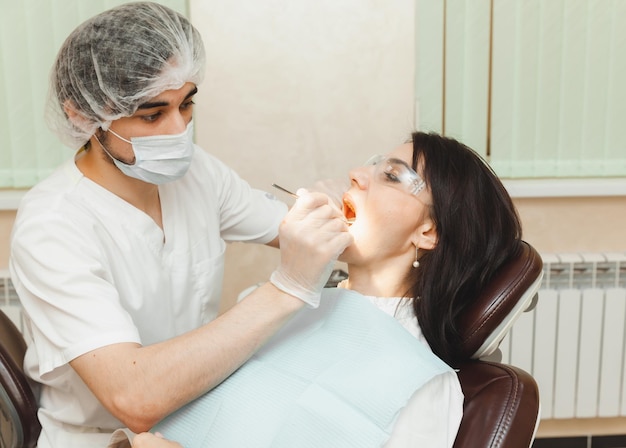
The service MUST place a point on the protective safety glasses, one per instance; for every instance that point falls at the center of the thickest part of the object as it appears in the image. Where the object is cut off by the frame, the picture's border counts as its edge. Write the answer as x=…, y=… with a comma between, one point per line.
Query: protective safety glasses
x=396, y=173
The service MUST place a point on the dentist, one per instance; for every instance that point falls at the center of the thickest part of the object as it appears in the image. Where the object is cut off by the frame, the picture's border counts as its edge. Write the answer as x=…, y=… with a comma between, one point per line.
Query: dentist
x=118, y=255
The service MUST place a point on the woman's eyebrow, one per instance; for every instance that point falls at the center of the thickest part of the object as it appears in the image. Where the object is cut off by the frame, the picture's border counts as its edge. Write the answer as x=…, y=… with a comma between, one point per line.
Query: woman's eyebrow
x=152, y=104
x=400, y=161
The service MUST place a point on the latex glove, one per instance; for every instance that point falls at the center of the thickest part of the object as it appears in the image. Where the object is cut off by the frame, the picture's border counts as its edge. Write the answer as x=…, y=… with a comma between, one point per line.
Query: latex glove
x=149, y=440
x=333, y=188
x=312, y=236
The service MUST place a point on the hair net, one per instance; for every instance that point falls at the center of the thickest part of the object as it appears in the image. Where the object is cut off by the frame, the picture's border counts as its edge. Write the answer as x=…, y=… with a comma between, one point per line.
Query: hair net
x=116, y=61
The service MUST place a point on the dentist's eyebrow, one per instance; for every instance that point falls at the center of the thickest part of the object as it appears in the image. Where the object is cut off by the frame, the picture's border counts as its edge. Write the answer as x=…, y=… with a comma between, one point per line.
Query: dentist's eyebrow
x=150, y=105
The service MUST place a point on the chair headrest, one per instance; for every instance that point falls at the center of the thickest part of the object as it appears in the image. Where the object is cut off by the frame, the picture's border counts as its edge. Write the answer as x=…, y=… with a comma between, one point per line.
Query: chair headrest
x=510, y=292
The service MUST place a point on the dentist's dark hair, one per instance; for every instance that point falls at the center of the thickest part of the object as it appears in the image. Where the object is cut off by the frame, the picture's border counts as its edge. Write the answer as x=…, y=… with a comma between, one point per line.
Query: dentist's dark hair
x=478, y=229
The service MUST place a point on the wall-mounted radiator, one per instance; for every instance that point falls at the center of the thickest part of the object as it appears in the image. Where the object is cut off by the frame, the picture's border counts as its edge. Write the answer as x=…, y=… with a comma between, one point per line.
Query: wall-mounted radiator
x=574, y=341
x=9, y=303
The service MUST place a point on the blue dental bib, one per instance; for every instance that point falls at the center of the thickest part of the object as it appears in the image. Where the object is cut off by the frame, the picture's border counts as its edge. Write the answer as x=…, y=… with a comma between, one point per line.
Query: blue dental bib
x=336, y=376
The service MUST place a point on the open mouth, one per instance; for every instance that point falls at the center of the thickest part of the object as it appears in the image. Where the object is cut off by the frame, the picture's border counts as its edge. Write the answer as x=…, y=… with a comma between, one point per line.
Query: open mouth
x=348, y=211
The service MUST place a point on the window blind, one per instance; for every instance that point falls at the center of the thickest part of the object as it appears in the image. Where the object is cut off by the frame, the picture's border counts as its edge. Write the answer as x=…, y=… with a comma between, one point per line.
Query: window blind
x=31, y=32
x=536, y=86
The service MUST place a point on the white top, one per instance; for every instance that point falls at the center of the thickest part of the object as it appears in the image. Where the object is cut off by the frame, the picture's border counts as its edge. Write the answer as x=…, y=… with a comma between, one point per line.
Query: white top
x=91, y=270
x=433, y=415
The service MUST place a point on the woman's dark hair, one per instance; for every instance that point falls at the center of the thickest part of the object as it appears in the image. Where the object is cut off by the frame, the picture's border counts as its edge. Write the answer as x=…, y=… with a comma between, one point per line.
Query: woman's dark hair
x=478, y=229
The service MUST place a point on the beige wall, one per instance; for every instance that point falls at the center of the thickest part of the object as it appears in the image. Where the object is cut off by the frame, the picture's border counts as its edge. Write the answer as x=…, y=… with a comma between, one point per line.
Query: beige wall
x=6, y=222
x=297, y=91
x=556, y=225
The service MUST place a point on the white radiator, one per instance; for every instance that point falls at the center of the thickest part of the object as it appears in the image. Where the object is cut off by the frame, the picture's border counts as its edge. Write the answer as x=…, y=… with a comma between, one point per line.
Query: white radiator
x=9, y=303
x=573, y=342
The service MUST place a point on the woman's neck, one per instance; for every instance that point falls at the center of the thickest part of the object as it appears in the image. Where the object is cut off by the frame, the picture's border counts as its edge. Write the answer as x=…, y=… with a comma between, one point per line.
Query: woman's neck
x=376, y=282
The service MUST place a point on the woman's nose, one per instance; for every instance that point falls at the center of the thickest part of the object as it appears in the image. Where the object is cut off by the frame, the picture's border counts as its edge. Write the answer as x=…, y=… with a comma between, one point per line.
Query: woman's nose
x=360, y=177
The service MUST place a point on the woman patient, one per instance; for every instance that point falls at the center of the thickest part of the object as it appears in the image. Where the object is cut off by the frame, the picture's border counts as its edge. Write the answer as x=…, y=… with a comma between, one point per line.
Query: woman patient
x=432, y=223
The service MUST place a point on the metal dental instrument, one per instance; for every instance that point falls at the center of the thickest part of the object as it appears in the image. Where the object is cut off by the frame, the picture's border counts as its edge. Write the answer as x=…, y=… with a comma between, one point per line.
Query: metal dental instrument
x=348, y=221
x=285, y=190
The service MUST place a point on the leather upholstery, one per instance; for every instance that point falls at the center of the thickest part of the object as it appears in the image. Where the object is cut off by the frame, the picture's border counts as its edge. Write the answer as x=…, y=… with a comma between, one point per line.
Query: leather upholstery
x=499, y=299
x=18, y=403
x=501, y=408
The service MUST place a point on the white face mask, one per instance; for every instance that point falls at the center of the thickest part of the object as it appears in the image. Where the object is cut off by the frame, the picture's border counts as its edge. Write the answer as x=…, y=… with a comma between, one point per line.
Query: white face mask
x=158, y=158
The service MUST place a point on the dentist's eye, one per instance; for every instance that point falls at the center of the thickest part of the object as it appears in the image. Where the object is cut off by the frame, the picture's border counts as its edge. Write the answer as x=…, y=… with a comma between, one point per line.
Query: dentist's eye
x=187, y=105
x=151, y=118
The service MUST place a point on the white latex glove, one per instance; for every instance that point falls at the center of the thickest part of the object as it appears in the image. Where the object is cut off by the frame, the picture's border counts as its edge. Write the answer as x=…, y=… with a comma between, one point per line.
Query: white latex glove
x=333, y=188
x=312, y=236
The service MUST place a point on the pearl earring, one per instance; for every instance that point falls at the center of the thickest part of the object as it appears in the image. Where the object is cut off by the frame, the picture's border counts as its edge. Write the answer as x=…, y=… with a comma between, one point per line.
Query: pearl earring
x=416, y=263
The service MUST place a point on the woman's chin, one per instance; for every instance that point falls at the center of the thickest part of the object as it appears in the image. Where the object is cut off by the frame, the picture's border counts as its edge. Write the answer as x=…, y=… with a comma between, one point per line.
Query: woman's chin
x=345, y=256
x=351, y=252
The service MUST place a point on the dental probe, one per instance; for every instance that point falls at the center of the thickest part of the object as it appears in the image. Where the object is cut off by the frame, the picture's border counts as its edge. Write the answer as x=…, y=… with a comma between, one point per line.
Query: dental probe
x=348, y=221
x=285, y=190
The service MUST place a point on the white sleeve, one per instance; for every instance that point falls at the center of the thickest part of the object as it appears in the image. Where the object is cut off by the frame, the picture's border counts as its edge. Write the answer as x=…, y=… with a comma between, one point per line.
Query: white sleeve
x=64, y=285
x=121, y=438
x=246, y=214
x=432, y=416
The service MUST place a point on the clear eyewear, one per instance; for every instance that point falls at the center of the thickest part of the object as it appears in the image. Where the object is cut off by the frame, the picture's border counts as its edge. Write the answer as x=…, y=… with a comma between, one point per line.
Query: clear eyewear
x=396, y=173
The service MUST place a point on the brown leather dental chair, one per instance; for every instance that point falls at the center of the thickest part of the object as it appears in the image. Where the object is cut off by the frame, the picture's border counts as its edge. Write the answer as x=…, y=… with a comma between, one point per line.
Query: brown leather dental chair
x=19, y=426
x=501, y=408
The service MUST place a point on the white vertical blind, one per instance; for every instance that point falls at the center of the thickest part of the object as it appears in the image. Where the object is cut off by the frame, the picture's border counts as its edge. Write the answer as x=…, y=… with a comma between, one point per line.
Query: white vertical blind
x=429, y=79
x=557, y=98
x=467, y=72
x=556, y=103
x=31, y=32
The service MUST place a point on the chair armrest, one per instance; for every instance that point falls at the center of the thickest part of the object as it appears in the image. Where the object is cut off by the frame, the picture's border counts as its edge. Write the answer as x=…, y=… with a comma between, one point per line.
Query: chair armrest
x=501, y=408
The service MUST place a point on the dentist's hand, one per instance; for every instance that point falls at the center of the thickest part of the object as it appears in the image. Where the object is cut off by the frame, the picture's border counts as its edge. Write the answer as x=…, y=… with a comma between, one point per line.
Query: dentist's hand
x=312, y=236
x=333, y=188
x=149, y=440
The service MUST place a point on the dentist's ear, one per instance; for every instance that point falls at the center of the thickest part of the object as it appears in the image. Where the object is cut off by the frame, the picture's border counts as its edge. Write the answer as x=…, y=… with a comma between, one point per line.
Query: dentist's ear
x=76, y=118
x=70, y=110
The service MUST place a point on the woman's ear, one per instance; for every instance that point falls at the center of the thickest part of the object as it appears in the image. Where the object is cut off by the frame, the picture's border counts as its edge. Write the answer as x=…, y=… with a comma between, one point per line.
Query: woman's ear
x=425, y=236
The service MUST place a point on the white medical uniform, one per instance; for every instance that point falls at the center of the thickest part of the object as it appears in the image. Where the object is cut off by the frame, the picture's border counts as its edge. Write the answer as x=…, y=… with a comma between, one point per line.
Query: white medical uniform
x=433, y=414
x=92, y=270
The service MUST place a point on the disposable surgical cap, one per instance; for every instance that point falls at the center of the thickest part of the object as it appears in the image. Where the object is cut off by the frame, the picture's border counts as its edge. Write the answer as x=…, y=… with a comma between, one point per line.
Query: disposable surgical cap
x=116, y=61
